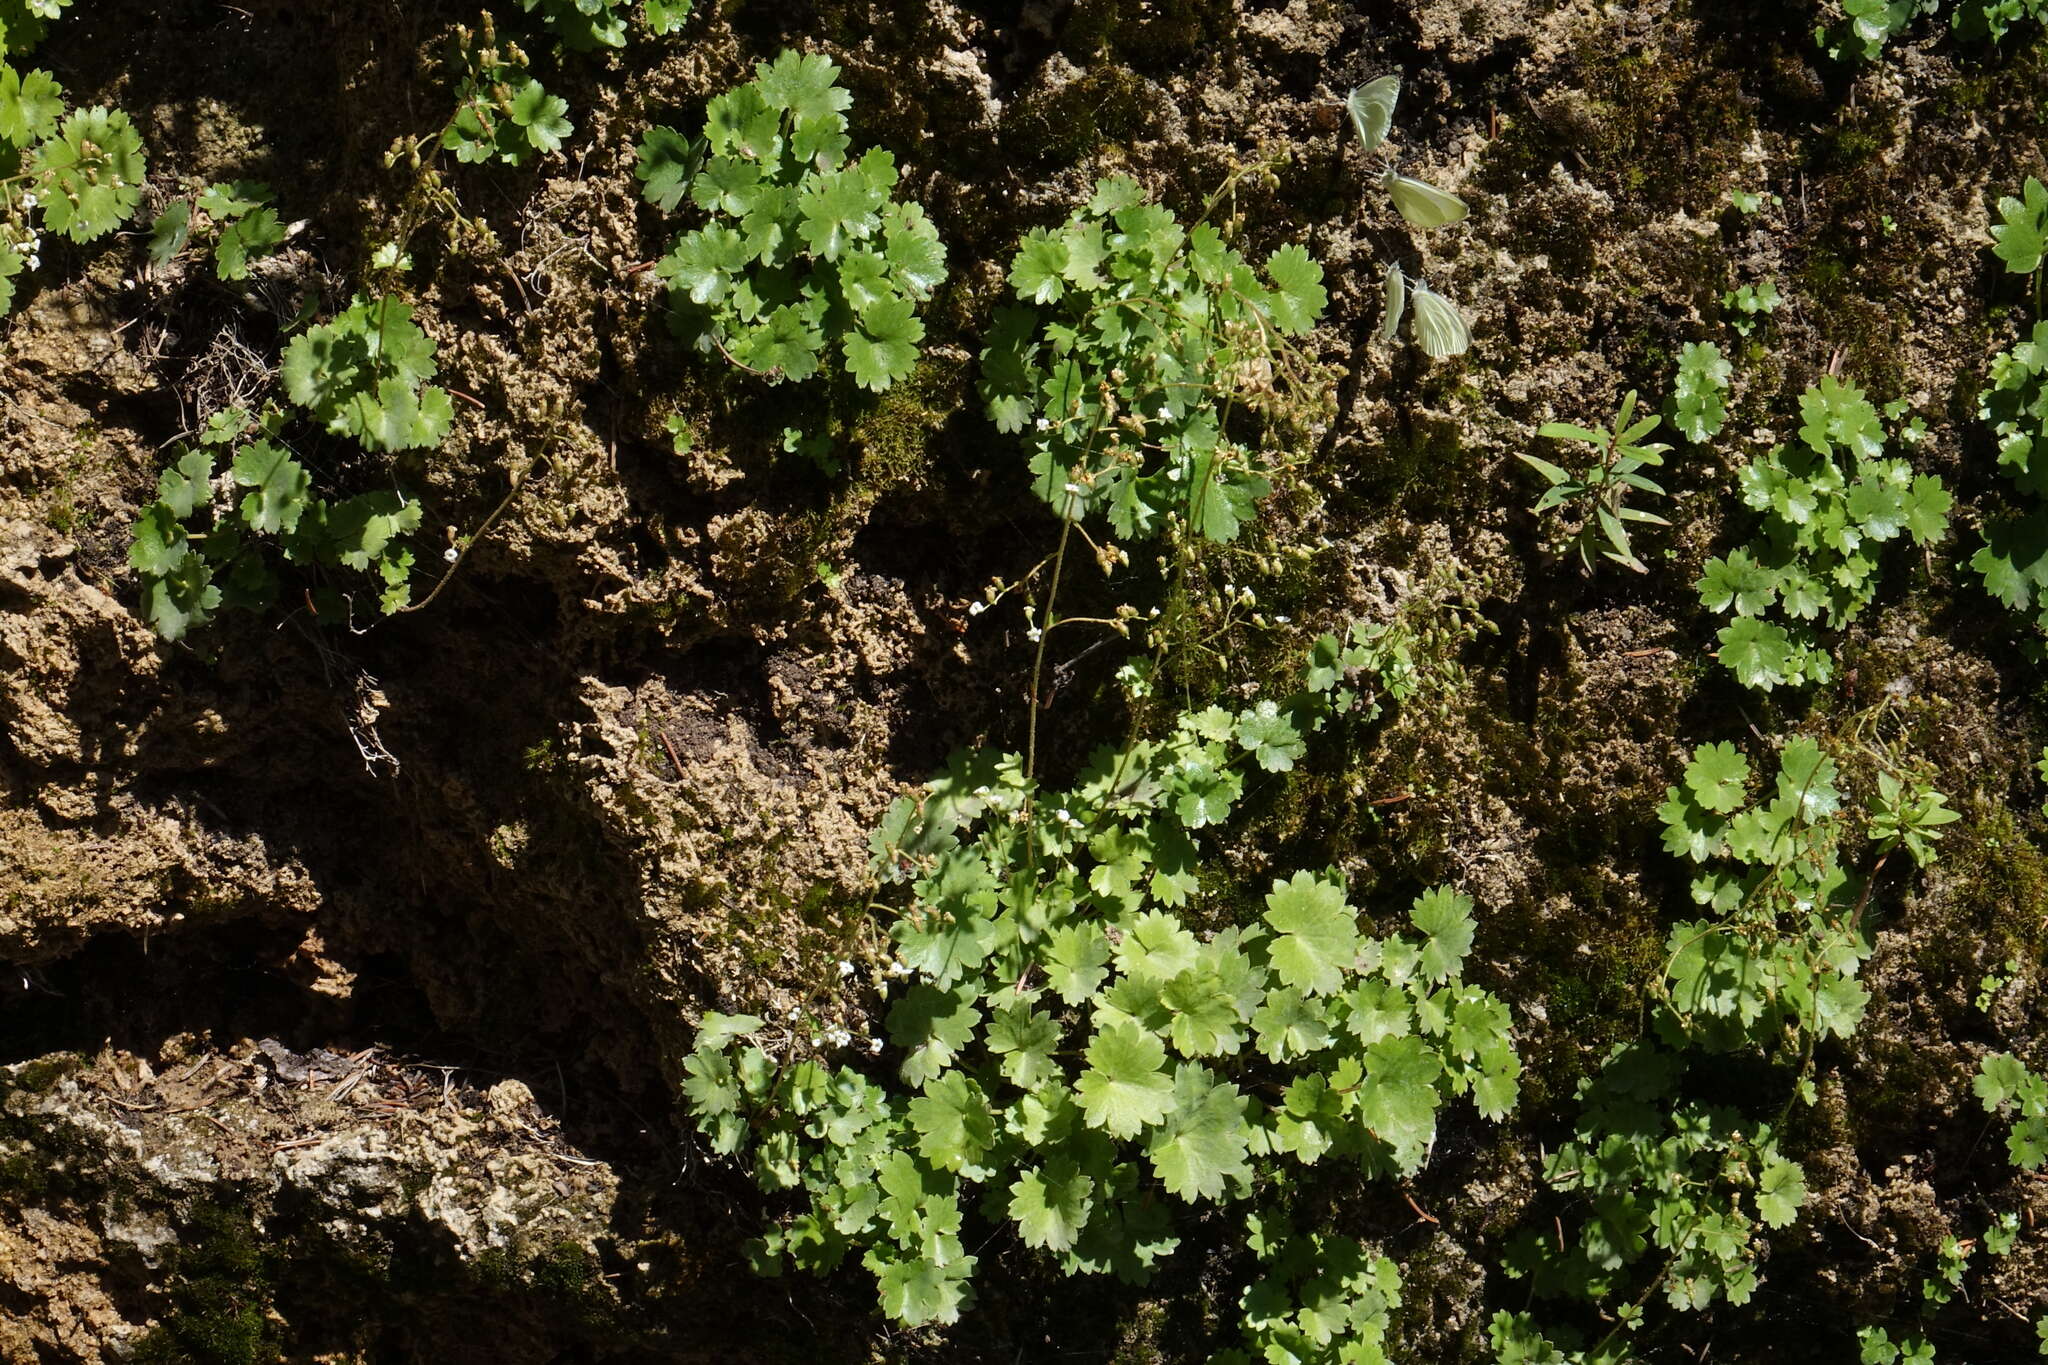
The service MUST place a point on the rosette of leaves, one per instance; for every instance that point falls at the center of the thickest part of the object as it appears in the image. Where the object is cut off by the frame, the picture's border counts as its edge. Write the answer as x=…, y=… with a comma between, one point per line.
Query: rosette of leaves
x=210, y=542
x=2005, y=1085
x=1829, y=505
x=1699, y=393
x=1075, y=1061
x=806, y=252
x=364, y=374
x=238, y=218
x=1776, y=961
x=78, y=173
x=1138, y=342
x=501, y=111
x=1687, y=1189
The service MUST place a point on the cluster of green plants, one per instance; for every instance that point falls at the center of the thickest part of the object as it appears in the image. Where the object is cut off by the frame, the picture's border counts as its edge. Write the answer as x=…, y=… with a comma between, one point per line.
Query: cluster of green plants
x=75, y=172
x=211, y=539
x=1138, y=340
x=1829, y=503
x=1690, y=1188
x=1750, y=305
x=1867, y=25
x=502, y=112
x=2013, y=560
x=1077, y=1056
x=205, y=544
x=806, y=252
x=586, y=25
x=236, y=215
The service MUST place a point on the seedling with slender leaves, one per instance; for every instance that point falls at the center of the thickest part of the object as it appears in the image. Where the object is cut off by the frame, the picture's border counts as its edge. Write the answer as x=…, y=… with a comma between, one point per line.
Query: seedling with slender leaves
x=1439, y=328
x=1829, y=504
x=1598, y=494
x=1138, y=342
x=1074, y=1060
x=236, y=216
x=78, y=172
x=808, y=256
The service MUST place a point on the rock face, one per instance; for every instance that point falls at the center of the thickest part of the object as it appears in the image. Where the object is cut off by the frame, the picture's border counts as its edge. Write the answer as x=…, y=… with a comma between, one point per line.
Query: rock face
x=346, y=976
x=182, y=1213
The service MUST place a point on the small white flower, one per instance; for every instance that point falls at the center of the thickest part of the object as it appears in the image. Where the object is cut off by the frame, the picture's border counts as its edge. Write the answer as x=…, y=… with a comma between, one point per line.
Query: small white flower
x=837, y=1037
x=29, y=200
x=1075, y=489
x=897, y=969
x=874, y=1046
x=976, y=608
x=1173, y=474
x=1034, y=635
x=845, y=967
x=451, y=554
x=35, y=262
x=1282, y=620
x=1165, y=413
x=1044, y=424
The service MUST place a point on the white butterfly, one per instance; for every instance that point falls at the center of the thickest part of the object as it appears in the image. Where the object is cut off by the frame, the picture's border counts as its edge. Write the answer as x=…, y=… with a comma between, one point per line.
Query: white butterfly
x=1396, y=300
x=1439, y=326
x=1425, y=206
x=1372, y=110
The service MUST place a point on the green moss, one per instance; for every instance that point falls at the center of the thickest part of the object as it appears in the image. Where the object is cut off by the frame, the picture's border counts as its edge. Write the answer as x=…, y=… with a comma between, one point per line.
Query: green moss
x=219, y=1286
x=1062, y=126
x=2002, y=876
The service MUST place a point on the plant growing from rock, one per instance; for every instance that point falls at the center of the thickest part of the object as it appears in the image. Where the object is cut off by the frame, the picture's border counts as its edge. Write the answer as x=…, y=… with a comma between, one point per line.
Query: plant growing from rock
x=586, y=25
x=1599, y=494
x=1074, y=1060
x=1829, y=504
x=1699, y=393
x=807, y=254
x=2013, y=561
x=1775, y=962
x=364, y=374
x=1138, y=341
x=501, y=112
x=78, y=172
x=1689, y=1188
x=211, y=539
x=237, y=216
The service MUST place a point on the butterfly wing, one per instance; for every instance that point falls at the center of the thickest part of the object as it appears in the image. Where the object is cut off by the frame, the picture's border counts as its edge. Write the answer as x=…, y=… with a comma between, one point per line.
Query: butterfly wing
x=1372, y=110
x=1439, y=326
x=1425, y=206
x=1397, y=302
